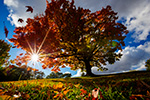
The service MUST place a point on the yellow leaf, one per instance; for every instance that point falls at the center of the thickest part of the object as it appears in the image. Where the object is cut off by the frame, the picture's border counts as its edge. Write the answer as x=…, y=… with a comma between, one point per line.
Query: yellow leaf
x=60, y=85
x=56, y=92
x=12, y=61
x=77, y=85
x=56, y=96
x=5, y=97
x=88, y=46
x=64, y=89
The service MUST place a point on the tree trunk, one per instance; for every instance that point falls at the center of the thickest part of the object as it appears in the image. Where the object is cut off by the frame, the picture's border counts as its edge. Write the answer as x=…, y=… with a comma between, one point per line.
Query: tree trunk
x=88, y=68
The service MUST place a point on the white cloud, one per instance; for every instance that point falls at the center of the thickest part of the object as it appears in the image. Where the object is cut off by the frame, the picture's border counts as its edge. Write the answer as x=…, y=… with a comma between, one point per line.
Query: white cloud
x=79, y=73
x=133, y=59
x=12, y=3
x=17, y=10
x=145, y=47
x=67, y=72
x=141, y=22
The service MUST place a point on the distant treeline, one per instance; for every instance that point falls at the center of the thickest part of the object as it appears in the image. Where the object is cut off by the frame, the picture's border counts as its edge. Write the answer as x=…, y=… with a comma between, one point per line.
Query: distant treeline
x=19, y=73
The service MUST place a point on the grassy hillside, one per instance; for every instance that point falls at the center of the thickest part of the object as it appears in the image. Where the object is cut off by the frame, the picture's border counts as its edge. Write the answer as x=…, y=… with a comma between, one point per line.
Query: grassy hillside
x=124, y=86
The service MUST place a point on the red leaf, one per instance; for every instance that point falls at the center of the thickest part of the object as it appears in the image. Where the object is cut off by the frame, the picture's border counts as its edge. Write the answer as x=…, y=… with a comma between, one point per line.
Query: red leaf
x=44, y=67
x=63, y=66
x=15, y=36
x=83, y=91
x=19, y=63
x=29, y=9
x=14, y=47
x=20, y=20
x=12, y=40
x=11, y=66
x=21, y=54
x=6, y=31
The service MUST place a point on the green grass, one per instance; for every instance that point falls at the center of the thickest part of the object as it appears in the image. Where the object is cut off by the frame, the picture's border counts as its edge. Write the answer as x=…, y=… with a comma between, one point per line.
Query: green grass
x=125, y=86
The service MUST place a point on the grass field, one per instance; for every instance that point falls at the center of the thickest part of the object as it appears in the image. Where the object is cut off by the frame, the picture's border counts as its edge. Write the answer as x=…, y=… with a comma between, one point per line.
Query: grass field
x=127, y=86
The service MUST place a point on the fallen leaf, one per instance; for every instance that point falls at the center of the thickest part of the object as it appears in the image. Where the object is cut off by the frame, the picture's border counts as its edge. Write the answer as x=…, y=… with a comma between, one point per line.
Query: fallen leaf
x=77, y=85
x=95, y=94
x=83, y=91
x=1, y=92
x=66, y=91
x=17, y=96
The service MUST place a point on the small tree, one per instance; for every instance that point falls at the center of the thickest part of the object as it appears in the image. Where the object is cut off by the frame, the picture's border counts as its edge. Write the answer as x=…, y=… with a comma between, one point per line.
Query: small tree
x=4, y=49
x=55, y=75
x=40, y=75
x=58, y=75
x=148, y=64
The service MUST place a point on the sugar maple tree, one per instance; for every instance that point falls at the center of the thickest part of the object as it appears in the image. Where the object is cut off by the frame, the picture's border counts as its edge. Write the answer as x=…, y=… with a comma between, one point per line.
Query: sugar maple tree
x=70, y=36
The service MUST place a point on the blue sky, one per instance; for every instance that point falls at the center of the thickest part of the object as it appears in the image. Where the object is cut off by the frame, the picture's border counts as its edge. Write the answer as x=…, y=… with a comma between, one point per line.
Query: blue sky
x=134, y=14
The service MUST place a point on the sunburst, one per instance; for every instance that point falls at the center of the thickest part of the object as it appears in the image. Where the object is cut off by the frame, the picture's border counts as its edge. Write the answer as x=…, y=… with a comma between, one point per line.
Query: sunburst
x=36, y=55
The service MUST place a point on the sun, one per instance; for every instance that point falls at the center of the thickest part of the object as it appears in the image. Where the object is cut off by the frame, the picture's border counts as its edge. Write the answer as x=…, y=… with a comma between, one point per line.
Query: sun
x=34, y=57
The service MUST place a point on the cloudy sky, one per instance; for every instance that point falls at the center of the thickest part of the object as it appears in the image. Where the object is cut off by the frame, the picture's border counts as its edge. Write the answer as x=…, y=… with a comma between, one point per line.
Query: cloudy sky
x=132, y=13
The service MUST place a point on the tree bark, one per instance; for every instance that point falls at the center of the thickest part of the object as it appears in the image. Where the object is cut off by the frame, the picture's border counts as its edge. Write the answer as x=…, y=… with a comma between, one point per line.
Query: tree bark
x=88, y=68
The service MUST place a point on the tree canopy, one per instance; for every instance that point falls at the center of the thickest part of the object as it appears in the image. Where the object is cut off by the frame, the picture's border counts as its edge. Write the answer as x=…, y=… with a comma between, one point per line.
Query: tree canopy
x=69, y=36
x=4, y=52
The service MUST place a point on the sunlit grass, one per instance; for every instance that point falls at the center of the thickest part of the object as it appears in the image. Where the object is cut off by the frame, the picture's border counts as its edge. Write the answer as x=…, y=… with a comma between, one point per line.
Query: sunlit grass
x=116, y=87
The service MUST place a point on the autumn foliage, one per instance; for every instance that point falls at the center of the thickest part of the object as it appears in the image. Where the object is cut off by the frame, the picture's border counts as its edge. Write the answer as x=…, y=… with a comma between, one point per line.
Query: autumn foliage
x=69, y=36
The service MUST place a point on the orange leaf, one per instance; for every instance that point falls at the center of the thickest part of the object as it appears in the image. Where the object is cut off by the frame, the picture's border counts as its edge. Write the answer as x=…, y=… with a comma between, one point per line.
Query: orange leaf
x=44, y=67
x=27, y=96
x=148, y=93
x=28, y=69
x=15, y=36
x=66, y=91
x=83, y=91
x=1, y=92
x=35, y=69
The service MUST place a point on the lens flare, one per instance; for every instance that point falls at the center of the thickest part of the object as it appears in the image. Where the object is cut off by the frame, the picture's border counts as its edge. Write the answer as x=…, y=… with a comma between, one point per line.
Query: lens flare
x=35, y=57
